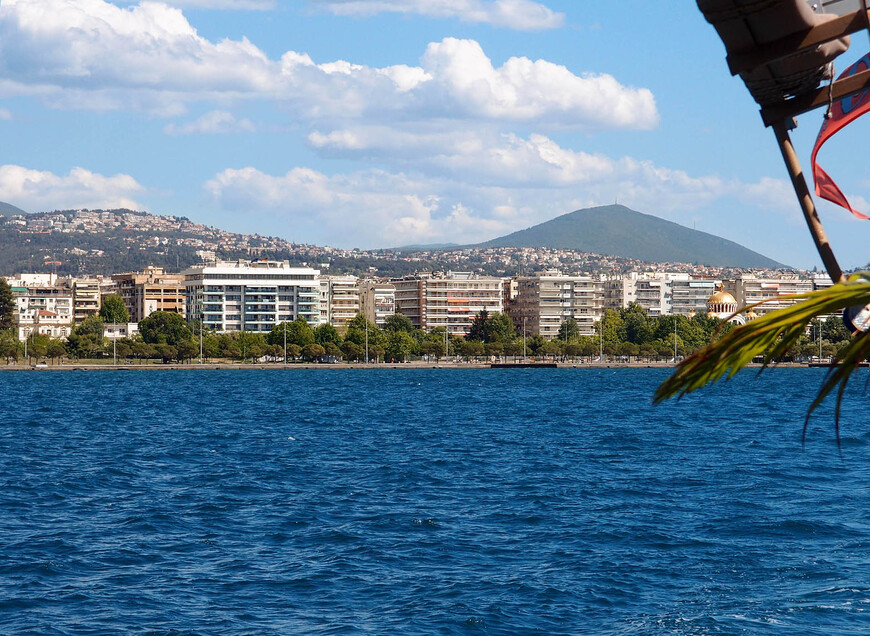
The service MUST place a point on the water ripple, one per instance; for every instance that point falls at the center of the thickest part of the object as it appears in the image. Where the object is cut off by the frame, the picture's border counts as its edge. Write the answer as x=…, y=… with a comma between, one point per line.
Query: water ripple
x=428, y=501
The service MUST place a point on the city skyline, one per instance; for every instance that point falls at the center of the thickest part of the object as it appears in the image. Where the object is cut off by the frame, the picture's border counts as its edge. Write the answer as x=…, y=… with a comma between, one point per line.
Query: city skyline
x=361, y=124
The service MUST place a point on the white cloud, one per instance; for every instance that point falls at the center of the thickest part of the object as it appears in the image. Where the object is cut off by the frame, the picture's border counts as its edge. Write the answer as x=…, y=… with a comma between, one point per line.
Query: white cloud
x=5, y=115
x=473, y=194
x=216, y=122
x=524, y=15
x=91, y=54
x=526, y=90
x=235, y=5
x=38, y=190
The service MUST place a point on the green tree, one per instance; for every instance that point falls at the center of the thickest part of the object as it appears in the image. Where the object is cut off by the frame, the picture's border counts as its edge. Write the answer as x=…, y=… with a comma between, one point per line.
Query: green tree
x=494, y=349
x=326, y=333
x=477, y=331
x=358, y=328
x=113, y=310
x=86, y=340
x=399, y=345
x=536, y=343
x=637, y=327
x=551, y=348
x=352, y=351
x=300, y=333
x=568, y=330
x=514, y=347
x=253, y=345
x=166, y=352
x=7, y=305
x=187, y=350
x=834, y=330
x=274, y=351
x=471, y=349
x=37, y=346
x=398, y=322
x=141, y=350
x=55, y=350
x=10, y=348
x=432, y=348
x=122, y=348
x=164, y=327
x=499, y=328
x=376, y=353
x=313, y=352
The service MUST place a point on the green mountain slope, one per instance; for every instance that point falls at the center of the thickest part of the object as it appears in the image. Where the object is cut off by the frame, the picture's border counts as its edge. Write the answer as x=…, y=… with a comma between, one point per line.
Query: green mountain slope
x=618, y=231
x=8, y=209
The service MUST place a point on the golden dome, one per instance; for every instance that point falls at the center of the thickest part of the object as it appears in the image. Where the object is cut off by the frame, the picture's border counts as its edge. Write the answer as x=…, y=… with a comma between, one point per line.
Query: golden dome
x=721, y=298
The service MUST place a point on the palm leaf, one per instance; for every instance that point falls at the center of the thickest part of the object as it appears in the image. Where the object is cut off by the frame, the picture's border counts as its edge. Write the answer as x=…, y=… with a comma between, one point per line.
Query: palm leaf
x=770, y=337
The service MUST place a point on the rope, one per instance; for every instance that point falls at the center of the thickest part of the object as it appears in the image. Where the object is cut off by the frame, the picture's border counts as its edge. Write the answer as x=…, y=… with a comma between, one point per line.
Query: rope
x=830, y=90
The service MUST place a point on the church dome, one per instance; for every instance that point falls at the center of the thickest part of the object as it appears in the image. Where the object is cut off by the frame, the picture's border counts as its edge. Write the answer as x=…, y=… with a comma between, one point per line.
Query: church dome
x=721, y=298
x=723, y=305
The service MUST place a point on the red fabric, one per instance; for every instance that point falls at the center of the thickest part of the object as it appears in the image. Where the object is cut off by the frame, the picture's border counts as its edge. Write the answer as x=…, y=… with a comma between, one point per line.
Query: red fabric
x=843, y=112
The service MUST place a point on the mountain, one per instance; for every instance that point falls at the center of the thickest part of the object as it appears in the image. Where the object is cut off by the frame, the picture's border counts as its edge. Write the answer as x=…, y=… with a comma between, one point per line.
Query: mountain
x=618, y=231
x=9, y=209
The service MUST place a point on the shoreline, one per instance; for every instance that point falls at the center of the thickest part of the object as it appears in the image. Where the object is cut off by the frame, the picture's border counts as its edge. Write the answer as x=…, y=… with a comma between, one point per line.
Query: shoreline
x=223, y=366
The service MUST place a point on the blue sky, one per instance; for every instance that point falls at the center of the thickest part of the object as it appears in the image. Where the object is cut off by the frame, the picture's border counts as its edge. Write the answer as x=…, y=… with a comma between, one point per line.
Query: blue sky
x=376, y=123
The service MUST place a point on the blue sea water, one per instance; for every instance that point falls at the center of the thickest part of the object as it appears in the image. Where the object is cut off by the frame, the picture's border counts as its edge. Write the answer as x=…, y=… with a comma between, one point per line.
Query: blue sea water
x=429, y=502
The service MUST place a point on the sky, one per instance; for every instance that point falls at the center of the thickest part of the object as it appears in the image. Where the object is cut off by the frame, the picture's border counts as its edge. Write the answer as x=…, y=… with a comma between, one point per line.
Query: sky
x=381, y=123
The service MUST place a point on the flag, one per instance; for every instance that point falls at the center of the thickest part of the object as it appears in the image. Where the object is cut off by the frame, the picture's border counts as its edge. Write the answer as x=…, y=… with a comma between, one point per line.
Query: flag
x=843, y=112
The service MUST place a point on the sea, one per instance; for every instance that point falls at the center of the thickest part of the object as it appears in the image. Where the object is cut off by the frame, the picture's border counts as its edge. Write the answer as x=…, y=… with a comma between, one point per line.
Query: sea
x=430, y=501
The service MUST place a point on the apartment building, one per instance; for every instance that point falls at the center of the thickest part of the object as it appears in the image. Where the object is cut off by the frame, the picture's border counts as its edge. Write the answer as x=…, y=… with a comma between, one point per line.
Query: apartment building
x=251, y=295
x=689, y=295
x=377, y=301
x=544, y=301
x=152, y=290
x=42, y=309
x=86, y=298
x=749, y=289
x=659, y=293
x=339, y=300
x=450, y=300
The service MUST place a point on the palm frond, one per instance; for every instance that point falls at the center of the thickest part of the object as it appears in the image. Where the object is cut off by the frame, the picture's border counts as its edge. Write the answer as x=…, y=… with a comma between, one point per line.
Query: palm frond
x=770, y=337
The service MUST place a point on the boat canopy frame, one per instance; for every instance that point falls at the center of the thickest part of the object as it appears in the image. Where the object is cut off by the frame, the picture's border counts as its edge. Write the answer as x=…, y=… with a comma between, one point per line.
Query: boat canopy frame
x=785, y=41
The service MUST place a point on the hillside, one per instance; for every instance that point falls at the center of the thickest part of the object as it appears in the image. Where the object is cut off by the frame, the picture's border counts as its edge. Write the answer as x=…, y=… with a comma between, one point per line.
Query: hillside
x=618, y=231
x=7, y=209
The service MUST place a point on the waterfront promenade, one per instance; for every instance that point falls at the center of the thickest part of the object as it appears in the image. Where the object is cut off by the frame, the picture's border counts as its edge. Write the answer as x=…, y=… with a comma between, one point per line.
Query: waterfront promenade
x=417, y=364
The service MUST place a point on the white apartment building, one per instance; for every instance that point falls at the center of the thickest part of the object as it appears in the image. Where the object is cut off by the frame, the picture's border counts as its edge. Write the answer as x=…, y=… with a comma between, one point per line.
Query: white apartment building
x=749, y=289
x=45, y=310
x=449, y=300
x=377, y=301
x=544, y=301
x=86, y=298
x=251, y=295
x=339, y=300
x=659, y=293
x=689, y=295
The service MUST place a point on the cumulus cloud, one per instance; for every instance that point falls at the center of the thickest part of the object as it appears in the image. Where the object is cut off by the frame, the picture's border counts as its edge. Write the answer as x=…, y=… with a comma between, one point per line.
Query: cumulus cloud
x=216, y=122
x=5, y=115
x=95, y=55
x=472, y=192
x=524, y=15
x=235, y=5
x=40, y=190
